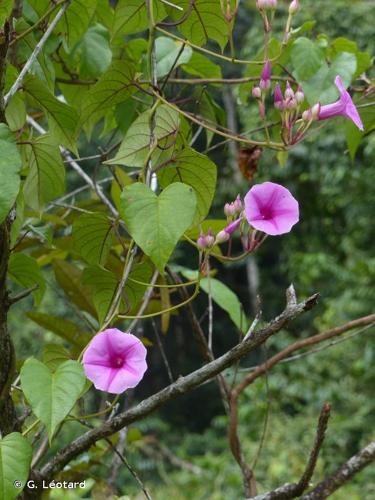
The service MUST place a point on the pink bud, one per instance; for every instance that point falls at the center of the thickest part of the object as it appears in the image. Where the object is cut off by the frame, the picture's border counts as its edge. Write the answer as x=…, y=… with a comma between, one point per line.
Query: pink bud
x=266, y=4
x=266, y=72
x=278, y=100
x=202, y=241
x=299, y=95
x=256, y=92
x=238, y=204
x=229, y=209
x=226, y=233
x=210, y=238
x=222, y=237
x=288, y=91
x=290, y=103
x=307, y=115
x=315, y=110
x=293, y=7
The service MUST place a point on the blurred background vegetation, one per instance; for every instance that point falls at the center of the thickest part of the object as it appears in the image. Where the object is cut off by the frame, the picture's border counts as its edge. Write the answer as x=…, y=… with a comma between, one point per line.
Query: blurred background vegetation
x=181, y=452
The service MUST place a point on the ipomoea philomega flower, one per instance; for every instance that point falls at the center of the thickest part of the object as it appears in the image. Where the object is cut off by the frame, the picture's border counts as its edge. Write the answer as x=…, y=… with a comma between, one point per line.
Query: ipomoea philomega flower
x=115, y=361
x=271, y=208
x=344, y=106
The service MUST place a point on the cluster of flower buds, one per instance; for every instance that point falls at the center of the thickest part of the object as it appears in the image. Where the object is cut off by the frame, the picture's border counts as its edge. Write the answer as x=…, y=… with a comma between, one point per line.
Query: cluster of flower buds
x=266, y=4
x=289, y=105
x=233, y=209
x=225, y=234
x=206, y=241
x=290, y=100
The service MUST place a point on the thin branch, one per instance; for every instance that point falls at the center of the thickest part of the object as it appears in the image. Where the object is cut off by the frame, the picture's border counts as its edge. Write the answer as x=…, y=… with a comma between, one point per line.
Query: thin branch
x=342, y=475
x=38, y=47
x=95, y=187
x=145, y=302
x=181, y=386
x=22, y=295
x=295, y=490
x=315, y=339
x=162, y=352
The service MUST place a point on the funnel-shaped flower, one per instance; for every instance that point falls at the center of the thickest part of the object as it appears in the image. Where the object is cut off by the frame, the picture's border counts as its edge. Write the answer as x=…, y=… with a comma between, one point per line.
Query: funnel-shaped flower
x=271, y=208
x=343, y=107
x=115, y=361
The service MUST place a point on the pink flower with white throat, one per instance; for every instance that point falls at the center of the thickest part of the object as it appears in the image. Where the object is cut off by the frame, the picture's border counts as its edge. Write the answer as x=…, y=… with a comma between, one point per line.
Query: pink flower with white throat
x=115, y=361
x=343, y=107
x=271, y=208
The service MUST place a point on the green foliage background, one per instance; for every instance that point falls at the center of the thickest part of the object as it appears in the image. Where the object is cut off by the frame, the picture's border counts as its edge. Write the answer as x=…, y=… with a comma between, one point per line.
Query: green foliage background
x=330, y=251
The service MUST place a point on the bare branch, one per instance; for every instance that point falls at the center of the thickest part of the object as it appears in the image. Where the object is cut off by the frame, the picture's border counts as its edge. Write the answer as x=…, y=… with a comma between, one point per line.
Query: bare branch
x=342, y=475
x=295, y=490
x=38, y=47
x=181, y=386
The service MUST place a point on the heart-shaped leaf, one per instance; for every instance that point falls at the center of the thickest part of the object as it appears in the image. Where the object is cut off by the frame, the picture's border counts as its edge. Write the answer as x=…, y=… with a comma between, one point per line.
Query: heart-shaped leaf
x=52, y=395
x=15, y=459
x=157, y=222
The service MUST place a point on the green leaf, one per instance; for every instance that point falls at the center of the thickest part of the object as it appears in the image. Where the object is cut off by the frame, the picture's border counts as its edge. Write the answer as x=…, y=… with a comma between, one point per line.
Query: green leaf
x=15, y=460
x=114, y=87
x=67, y=330
x=321, y=87
x=104, y=284
x=200, y=65
x=363, y=58
x=131, y=17
x=5, y=10
x=227, y=300
x=93, y=52
x=52, y=395
x=24, y=270
x=168, y=55
x=205, y=22
x=15, y=112
x=157, y=222
x=223, y=296
x=69, y=277
x=46, y=178
x=76, y=20
x=306, y=58
x=63, y=119
x=54, y=355
x=92, y=237
x=195, y=170
x=134, y=149
x=10, y=166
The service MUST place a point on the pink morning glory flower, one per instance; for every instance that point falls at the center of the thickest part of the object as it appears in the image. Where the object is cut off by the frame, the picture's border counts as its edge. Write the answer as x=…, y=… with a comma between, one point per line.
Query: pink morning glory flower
x=271, y=208
x=115, y=361
x=343, y=107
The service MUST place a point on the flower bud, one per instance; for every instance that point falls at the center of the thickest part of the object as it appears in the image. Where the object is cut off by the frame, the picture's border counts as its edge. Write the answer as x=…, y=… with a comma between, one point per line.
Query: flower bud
x=299, y=95
x=238, y=204
x=202, y=241
x=278, y=100
x=293, y=7
x=290, y=103
x=266, y=4
x=226, y=233
x=307, y=115
x=210, y=238
x=205, y=241
x=289, y=93
x=265, y=78
x=222, y=237
x=256, y=92
x=315, y=110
